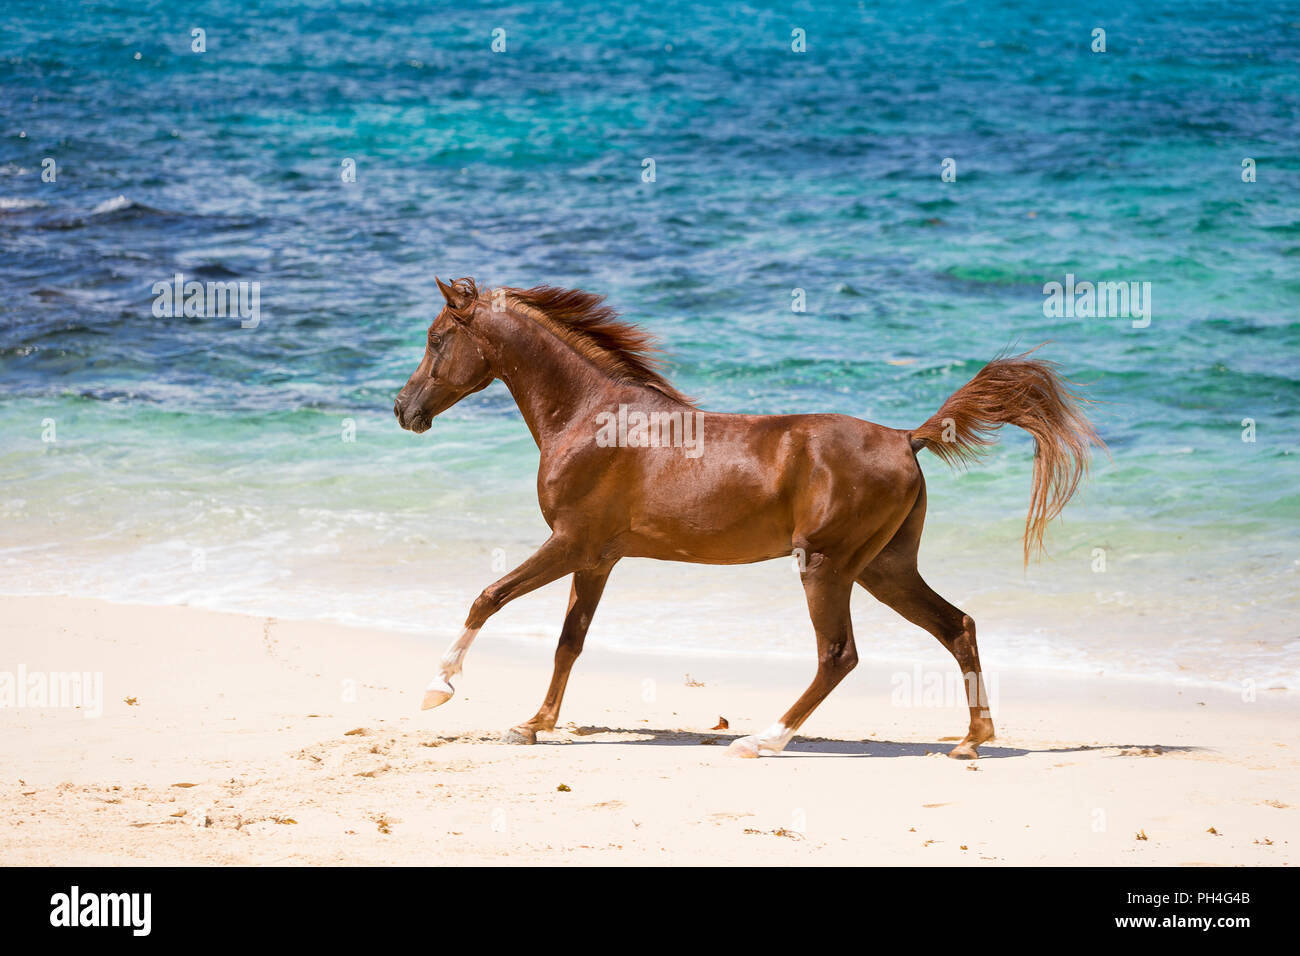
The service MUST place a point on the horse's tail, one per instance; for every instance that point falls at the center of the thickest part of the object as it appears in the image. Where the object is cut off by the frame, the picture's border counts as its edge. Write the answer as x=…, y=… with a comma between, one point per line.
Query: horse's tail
x=1030, y=393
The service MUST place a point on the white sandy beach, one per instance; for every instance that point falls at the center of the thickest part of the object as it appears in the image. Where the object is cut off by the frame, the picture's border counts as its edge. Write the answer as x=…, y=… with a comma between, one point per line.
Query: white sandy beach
x=261, y=741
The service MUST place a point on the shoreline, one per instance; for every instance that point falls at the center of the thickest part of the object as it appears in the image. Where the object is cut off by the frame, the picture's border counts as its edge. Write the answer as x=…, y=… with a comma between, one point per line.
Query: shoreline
x=261, y=740
x=548, y=617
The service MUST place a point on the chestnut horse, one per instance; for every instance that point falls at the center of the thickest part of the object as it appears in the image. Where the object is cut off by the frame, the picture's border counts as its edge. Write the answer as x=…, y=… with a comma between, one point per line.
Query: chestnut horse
x=845, y=495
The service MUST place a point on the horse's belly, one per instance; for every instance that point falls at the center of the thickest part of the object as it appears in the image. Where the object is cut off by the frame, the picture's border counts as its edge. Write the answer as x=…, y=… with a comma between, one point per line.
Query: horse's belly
x=726, y=529
x=705, y=550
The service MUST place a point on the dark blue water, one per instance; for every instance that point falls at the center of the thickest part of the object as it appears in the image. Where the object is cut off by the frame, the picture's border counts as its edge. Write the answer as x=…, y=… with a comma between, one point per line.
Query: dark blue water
x=195, y=460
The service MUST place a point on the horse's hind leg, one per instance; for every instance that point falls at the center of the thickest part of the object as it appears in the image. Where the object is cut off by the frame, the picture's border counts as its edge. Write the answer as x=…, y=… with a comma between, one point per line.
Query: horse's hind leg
x=893, y=580
x=909, y=595
x=828, y=591
x=584, y=595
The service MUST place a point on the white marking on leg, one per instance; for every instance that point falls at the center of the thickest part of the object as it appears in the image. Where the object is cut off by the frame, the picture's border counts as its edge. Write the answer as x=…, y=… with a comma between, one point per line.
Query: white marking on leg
x=440, y=689
x=455, y=655
x=774, y=739
x=767, y=744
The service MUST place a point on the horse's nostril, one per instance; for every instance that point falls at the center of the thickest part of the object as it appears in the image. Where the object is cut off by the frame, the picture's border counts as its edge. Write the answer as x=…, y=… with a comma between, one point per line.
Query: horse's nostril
x=397, y=410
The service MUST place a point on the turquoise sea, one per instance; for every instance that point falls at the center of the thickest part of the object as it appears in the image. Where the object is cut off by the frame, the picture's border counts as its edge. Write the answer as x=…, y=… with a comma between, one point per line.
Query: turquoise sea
x=192, y=460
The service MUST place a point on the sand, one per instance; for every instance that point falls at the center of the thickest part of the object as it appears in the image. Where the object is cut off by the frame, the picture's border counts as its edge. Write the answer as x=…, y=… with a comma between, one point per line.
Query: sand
x=227, y=739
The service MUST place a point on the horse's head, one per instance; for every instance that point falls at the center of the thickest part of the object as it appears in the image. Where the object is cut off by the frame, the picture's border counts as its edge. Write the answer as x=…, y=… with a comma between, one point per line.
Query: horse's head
x=453, y=365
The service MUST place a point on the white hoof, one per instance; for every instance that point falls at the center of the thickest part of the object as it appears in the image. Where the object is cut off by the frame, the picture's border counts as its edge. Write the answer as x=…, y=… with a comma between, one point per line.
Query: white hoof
x=437, y=693
x=743, y=747
x=767, y=744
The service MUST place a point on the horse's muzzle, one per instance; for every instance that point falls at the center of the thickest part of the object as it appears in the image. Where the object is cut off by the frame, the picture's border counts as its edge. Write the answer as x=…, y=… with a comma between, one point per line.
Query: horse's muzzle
x=415, y=421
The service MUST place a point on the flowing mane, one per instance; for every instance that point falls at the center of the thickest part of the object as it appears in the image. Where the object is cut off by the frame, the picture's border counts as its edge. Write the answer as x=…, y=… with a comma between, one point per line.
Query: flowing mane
x=626, y=353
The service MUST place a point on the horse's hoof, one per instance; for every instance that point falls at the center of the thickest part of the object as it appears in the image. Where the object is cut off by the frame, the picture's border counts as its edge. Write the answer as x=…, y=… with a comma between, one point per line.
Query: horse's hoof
x=743, y=747
x=520, y=735
x=436, y=694
x=980, y=733
x=435, y=698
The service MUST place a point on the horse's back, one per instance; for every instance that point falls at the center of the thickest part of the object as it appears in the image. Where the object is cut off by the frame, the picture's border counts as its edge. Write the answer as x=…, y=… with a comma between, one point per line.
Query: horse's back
x=854, y=470
x=760, y=483
x=837, y=444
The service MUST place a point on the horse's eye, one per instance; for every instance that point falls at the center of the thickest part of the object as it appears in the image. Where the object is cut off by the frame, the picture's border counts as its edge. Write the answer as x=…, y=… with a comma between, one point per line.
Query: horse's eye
x=434, y=340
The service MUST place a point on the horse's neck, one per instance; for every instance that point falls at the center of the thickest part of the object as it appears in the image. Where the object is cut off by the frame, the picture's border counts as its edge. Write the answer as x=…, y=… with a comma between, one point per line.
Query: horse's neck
x=555, y=388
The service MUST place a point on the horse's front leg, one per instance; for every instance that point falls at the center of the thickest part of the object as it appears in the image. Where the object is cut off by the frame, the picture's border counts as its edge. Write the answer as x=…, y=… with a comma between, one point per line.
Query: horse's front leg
x=551, y=561
x=584, y=595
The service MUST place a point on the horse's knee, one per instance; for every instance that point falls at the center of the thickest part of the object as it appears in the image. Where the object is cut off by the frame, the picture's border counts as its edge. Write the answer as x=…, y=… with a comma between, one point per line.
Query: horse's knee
x=568, y=649
x=484, y=606
x=963, y=635
x=841, y=659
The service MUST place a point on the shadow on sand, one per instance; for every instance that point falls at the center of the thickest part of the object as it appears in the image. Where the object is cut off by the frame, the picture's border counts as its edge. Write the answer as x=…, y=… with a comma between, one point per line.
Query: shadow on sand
x=828, y=747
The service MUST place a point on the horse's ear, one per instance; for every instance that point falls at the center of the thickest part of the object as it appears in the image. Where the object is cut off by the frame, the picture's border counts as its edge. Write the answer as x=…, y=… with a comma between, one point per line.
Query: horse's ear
x=460, y=296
